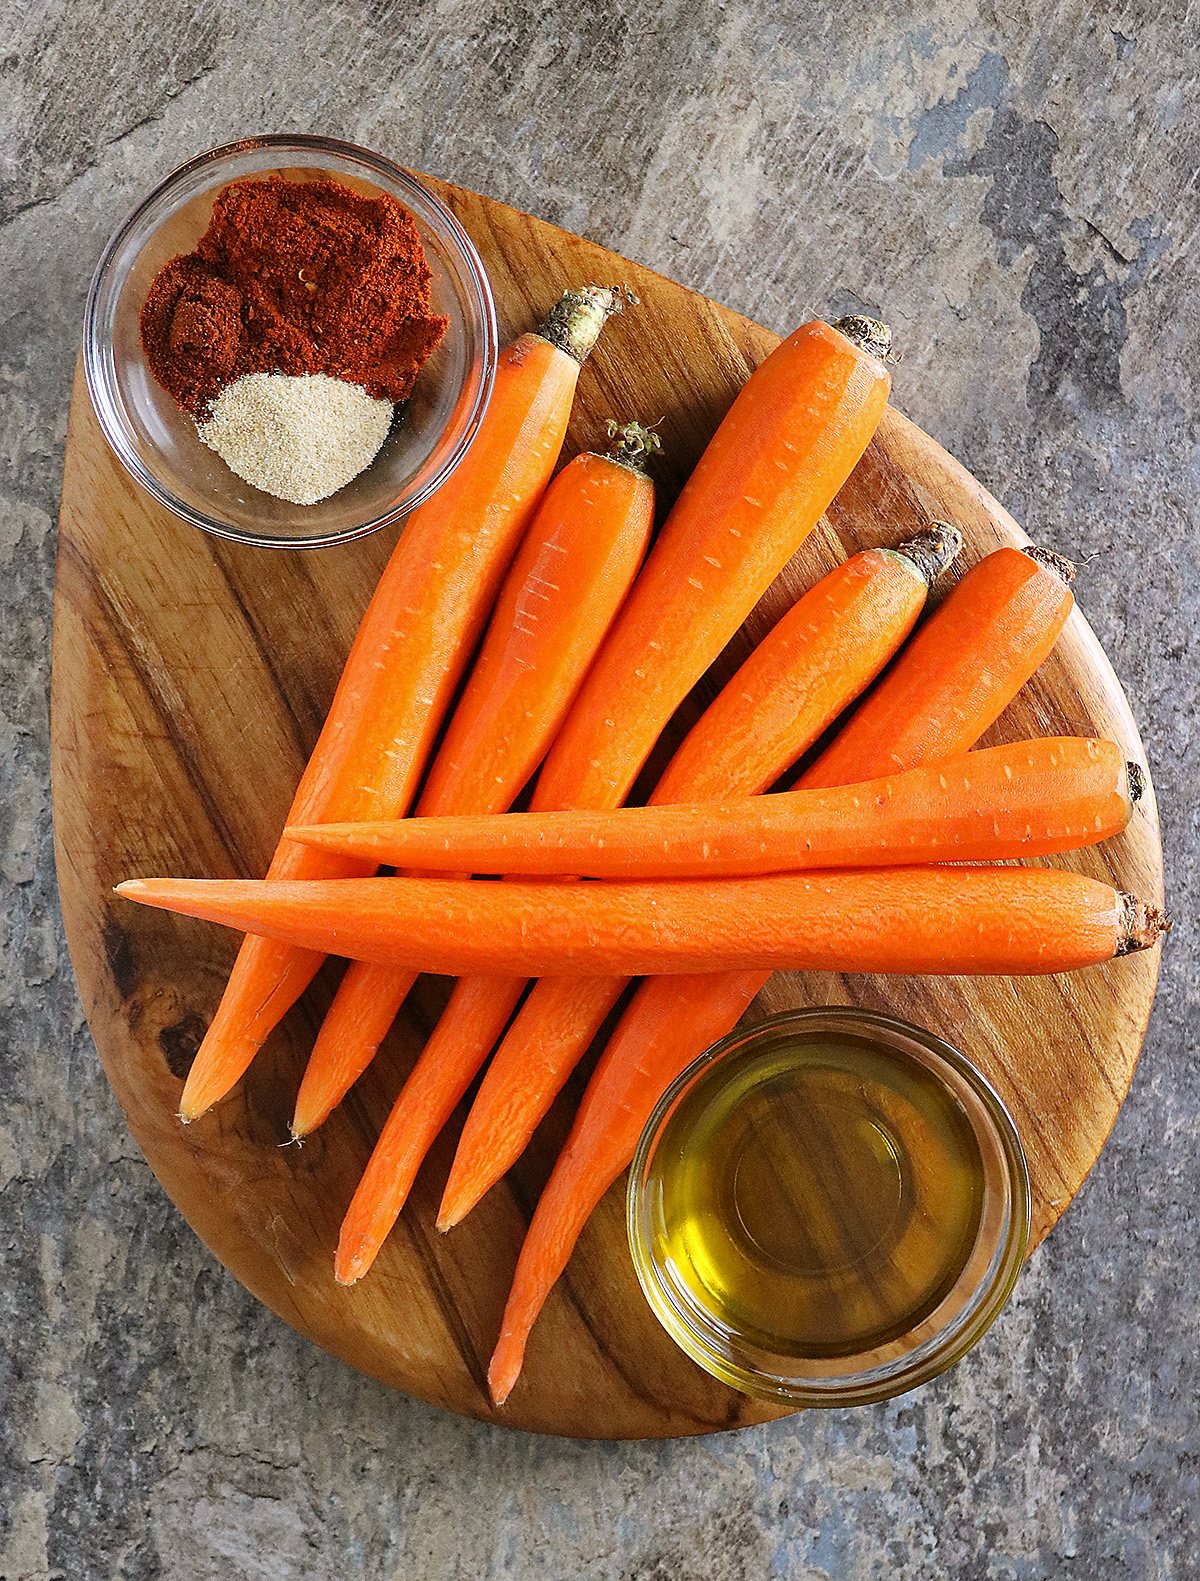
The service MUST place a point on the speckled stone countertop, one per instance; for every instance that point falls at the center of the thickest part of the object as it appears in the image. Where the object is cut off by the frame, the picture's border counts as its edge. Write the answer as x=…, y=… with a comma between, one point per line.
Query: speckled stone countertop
x=1015, y=187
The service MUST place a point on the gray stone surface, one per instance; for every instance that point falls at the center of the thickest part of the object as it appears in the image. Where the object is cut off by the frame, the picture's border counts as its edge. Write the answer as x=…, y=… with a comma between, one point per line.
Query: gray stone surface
x=1016, y=184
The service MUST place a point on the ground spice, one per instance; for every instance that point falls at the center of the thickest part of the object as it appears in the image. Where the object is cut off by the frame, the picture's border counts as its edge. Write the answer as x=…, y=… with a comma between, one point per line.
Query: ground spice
x=293, y=277
x=299, y=438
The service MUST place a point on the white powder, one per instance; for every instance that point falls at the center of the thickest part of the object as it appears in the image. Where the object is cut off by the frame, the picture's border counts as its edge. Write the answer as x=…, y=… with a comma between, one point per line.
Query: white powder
x=300, y=438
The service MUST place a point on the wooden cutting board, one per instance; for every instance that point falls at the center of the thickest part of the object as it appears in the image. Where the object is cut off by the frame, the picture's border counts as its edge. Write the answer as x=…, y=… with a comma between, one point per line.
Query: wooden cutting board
x=190, y=680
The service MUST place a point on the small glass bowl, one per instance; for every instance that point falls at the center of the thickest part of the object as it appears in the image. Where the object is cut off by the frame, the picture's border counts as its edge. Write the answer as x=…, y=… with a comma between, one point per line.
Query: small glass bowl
x=946, y=1333
x=158, y=442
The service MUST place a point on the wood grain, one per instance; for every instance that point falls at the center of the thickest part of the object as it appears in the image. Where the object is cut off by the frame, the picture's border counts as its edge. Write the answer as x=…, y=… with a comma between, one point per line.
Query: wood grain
x=190, y=680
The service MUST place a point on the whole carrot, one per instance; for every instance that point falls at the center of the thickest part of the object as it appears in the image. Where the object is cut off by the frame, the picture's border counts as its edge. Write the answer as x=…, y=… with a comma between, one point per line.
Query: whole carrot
x=944, y=690
x=418, y=632
x=960, y=670
x=790, y=440
x=927, y=920
x=474, y=1018
x=575, y=565
x=786, y=446
x=818, y=658
x=1029, y=798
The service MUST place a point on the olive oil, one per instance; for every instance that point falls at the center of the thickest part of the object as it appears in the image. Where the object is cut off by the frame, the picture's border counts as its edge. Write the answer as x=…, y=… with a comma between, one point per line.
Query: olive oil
x=816, y=1197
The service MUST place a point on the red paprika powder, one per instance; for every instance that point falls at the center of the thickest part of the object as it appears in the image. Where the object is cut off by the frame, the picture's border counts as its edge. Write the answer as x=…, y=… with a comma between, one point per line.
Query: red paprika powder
x=293, y=277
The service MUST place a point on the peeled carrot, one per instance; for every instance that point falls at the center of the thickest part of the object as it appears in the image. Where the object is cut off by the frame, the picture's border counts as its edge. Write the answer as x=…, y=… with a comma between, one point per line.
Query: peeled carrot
x=786, y=446
x=818, y=658
x=418, y=632
x=949, y=684
x=629, y=1080
x=575, y=565
x=1029, y=798
x=959, y=672
x=476, y=1015
x=788, y=443
x=927, y=920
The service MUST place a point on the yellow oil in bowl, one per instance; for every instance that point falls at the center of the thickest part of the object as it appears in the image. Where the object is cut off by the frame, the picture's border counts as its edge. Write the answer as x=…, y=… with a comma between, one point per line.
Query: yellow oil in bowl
x=825, y=1198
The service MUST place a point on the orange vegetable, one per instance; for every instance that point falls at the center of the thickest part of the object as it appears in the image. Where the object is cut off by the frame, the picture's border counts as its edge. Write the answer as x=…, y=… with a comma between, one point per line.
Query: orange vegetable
x=574, y=567
x=950, y=683
x=786, y=446
x=477, y=1013
x=788, y=443
x=959, y=672
x=415, y=639
x=1029, y=798
x=927, y=920
x=828, y=647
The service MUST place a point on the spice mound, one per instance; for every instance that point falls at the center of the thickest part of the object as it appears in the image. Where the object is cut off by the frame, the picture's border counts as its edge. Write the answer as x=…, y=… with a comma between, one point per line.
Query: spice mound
x=300, y=439
x=300, y=279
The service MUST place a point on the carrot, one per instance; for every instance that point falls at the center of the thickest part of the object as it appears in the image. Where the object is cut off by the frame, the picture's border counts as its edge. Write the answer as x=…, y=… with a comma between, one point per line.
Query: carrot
x=1029, y=798
x=785, y=447
x=574, y=567
x=960, y=671
x=625, y=1086
x=817, y=659
x=928, y=920
x=478, y=1011
x=946, y=688
x=418, y=632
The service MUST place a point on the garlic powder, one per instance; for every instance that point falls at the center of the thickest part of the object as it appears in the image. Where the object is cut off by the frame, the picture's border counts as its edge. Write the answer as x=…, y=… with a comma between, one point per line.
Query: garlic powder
x=299, y=437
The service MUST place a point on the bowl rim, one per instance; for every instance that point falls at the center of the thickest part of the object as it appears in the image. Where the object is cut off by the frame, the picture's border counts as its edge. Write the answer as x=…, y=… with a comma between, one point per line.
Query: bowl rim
x=932, y=1356
x=94, y=352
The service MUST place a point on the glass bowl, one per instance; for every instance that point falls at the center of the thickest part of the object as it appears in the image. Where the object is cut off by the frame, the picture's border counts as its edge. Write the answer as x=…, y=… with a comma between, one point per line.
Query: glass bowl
x=685, y=1238
x=158, y=442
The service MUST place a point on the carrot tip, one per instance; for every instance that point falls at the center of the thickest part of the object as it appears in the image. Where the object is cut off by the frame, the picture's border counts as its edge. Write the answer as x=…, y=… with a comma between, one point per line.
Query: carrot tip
x=306, y=834
x=191, y=1106
x=194, y=1101
x=352, y=1259
x=309, y=1116
x=455, y=1205
x=505, y=1366
x=501, y=1380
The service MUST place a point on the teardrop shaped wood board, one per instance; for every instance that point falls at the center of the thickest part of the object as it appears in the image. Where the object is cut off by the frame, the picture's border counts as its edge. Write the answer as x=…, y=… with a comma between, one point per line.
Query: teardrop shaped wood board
x=190, y=680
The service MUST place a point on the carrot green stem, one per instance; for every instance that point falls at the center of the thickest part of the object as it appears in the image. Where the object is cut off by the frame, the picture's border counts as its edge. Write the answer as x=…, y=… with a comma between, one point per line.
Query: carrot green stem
x=1139, y=925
